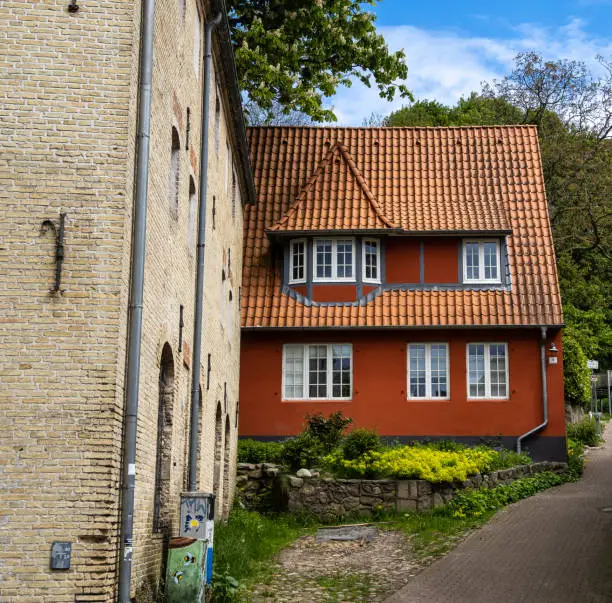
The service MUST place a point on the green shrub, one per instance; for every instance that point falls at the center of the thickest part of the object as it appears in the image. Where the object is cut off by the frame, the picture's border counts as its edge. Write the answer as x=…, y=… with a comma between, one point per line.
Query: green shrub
x=446, y=445
x=303, y=451
x=584, y=432
x=327, y=431
x=576, y=375
x=509, y=458
x=254, y=451
x=360, y=441
x=476, y=503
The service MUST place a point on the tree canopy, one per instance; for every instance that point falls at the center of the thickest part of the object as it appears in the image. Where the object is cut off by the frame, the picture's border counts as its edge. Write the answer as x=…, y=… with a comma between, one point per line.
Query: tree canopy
x=291, y=54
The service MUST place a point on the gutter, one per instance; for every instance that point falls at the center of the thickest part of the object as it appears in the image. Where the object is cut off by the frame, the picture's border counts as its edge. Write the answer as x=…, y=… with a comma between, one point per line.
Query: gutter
x=139, y=231
x=544, y=394
x=199, y=287
x=235, y=104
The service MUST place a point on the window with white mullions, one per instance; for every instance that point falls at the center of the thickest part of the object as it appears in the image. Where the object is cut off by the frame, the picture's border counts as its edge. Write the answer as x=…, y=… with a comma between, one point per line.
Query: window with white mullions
x=317, y=371
x=297, y=261
x=334, y=259
x=481, y=261
x=371, y=261
x=487, y=370
x=428, y=371
x=341, y=371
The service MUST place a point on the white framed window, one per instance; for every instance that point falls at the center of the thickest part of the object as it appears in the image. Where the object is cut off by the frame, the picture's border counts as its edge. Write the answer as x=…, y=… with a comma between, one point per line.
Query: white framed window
x=297, y=261
x=428, y=375
x=481, y=261
x=318, y=371
x=487, y=370
x=334, y=259
x=371, y=260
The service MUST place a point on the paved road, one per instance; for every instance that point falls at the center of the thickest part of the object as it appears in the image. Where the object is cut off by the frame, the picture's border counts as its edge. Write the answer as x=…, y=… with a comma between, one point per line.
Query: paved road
x=553, y=547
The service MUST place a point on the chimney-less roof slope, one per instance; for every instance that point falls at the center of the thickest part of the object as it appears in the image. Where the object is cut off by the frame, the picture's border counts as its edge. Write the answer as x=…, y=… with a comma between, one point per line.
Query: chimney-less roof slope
x=472, y=180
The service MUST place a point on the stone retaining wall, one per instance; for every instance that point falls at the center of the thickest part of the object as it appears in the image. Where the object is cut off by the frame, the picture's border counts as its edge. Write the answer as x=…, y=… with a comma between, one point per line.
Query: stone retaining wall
x=330, y=498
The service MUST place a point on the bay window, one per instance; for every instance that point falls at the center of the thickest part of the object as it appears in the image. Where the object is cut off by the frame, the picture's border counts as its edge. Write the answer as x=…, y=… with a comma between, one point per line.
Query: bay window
x=371, y=261
x=428, y=371
x=334, y=260
x=297, y=261
x=317, y=371
x=487, y=370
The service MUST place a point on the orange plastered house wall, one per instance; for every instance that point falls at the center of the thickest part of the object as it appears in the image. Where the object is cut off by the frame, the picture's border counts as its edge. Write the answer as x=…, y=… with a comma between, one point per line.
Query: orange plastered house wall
x=407, y=277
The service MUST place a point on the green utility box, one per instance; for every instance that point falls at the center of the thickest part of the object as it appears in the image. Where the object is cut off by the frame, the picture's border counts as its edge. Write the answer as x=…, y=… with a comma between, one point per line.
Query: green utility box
x=186, y=575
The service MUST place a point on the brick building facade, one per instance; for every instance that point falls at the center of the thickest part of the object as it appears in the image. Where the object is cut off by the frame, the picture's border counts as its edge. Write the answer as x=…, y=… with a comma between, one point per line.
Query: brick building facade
x=69, y=96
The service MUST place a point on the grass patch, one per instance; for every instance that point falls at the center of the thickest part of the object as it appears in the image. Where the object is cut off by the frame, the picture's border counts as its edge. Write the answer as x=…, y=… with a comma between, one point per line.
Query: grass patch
x=433, y=534
x=345, y=587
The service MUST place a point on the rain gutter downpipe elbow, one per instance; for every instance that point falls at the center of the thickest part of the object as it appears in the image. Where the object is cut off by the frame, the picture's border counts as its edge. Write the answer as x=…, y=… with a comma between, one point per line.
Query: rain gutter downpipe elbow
x=199, y=286
x=138, y=243
x=544, y=423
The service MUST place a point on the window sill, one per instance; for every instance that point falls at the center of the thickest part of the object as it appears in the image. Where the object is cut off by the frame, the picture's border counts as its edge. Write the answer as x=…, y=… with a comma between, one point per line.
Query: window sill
x=310, y=400
x=333, y=281
x=487, y=399
x=428, y=400
x=495, y=282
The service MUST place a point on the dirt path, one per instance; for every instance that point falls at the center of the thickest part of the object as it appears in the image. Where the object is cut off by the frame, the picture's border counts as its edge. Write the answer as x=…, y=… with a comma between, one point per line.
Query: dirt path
x=310, y=571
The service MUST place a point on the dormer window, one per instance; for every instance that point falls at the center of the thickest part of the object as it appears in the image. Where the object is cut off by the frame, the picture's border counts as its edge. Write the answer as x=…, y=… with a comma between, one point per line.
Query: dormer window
x=297, y=264
x=481, y=261
x=334, y=260
x=371, y=260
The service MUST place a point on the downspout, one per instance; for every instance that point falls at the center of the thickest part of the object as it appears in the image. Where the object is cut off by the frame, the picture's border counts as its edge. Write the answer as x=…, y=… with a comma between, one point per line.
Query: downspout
x=544, y=394
x=199, y=288
x=139, y=229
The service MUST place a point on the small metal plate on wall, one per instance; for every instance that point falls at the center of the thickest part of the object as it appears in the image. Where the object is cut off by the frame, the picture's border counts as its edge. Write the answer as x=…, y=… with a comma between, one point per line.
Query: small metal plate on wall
x=60, y=555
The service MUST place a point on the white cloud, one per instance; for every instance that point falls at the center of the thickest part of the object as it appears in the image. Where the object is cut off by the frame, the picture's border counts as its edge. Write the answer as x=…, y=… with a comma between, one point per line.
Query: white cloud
x=444, y=65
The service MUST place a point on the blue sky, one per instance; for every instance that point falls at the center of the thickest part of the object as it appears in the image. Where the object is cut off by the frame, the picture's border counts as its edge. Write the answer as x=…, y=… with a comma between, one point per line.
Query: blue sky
x=452, y=47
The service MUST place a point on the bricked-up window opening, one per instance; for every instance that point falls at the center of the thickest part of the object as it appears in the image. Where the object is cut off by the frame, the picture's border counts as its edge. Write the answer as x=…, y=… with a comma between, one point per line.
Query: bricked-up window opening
x=218, y=453
x=208, y=369
x=234, y=195
x=175, y=163
x=226, y=469
x=197, y=43
x=182, y=8
x=199, y=457
x=217, y=125
x=191, y=224
x=188, y=129
x=214, y=212
x=163, y=460
x=228, y=164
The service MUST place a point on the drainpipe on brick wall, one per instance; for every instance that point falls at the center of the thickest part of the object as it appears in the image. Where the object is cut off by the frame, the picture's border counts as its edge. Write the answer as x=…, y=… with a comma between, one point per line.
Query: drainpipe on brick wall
x=199, y=289
x=544, y=394
x=139, y=231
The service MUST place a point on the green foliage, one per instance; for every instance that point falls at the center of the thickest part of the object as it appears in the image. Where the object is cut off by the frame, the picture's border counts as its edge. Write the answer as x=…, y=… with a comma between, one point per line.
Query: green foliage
x=583, y=433
x=254, y=451
x=476, y=503
x=327, y=431
x=245, y=544
x=576, y=375
x=225, y=588
x=360, y=441
x=302, y=452
x=425, y=462
x=575, y=459
x=506, y=459
x=294, y=53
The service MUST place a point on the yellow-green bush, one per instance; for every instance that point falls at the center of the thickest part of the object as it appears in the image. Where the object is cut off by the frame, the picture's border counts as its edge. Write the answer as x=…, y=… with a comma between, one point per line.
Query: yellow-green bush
x=418, y=462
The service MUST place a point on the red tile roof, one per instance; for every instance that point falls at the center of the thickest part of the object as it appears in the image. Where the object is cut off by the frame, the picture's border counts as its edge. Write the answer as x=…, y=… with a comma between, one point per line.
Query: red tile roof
x=415, y=180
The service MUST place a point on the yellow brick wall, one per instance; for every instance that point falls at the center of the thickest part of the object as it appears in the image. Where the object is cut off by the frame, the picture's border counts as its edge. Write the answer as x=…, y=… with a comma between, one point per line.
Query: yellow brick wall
x=68, y=91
